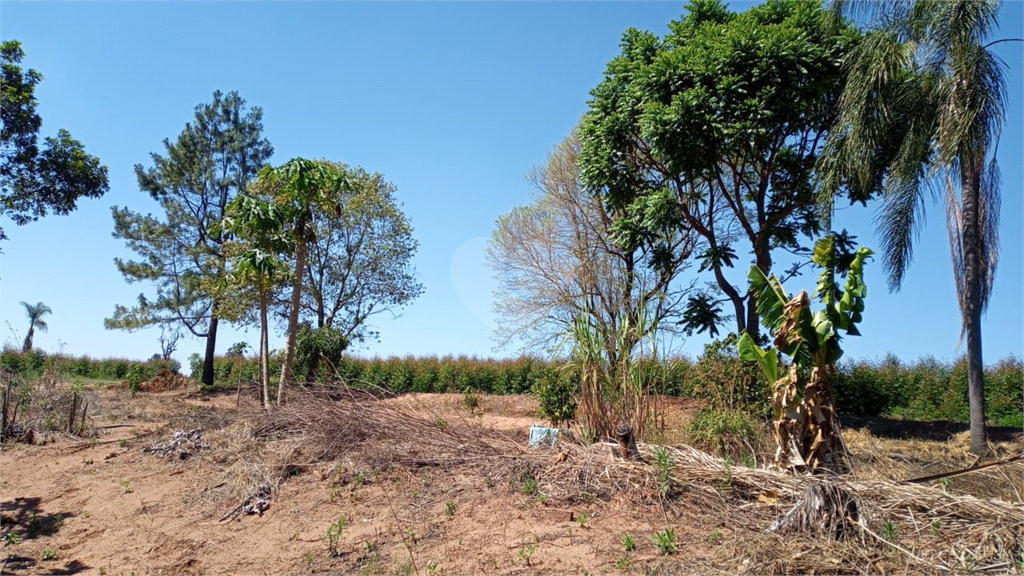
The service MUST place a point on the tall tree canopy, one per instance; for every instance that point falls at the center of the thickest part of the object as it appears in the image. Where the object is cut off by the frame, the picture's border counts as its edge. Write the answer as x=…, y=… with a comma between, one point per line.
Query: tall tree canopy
x=360, y=262
x=34, y=181
x=213, y=160
x=922, y=111
x=716, y=128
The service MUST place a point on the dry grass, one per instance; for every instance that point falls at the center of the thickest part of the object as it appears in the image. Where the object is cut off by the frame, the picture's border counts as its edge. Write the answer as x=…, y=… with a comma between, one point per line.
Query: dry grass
x=905, y=528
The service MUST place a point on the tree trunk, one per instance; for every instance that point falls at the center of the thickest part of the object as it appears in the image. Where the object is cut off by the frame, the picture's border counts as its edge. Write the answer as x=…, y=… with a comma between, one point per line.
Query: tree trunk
x=293, y=315
x=211, y=348
x=27, y=346
x=971, y=305
x=264, y=350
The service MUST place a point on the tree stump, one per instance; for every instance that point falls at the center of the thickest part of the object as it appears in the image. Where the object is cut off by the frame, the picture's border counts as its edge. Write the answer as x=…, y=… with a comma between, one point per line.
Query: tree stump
x=826, y=508
x=627, y=443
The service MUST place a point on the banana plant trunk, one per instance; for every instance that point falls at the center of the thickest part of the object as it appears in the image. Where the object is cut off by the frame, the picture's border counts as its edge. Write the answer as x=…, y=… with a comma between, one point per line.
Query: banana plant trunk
x=807, y=431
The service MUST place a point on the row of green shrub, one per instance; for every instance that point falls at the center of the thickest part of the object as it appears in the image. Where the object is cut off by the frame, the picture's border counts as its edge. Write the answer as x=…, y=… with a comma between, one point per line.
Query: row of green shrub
x=927, y=389
x=37, y=361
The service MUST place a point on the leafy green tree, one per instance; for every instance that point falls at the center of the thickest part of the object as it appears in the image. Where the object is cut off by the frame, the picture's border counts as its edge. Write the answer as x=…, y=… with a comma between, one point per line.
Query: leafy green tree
x=359, y=262
x=805, y=422
x=306, y=187
x=923, y=110
x=34, y=182
x=260, y=228
x=213, y=160
x=35, y=320
x=716, y=128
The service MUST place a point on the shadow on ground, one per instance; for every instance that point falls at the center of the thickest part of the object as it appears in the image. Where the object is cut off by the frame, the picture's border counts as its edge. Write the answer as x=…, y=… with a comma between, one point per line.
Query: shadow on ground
x=937, y=430
x=20, y=519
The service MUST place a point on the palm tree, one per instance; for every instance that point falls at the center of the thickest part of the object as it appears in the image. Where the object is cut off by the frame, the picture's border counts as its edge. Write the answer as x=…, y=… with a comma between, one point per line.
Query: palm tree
x=35, y=315
x=922, y=113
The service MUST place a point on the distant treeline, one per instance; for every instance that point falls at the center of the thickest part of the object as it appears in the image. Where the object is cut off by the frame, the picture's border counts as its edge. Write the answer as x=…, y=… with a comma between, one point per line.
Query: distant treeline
x=927, y=389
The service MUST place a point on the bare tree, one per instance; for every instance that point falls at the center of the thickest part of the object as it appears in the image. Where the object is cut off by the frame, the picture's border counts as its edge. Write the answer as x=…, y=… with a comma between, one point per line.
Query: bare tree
x=562, y=257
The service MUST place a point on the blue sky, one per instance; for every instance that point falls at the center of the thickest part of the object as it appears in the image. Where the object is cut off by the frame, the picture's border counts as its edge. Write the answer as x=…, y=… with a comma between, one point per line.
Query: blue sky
x=452, y=102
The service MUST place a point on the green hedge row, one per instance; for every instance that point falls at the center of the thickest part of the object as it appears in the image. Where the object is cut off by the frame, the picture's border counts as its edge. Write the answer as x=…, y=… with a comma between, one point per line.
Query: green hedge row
x=924, y=390
x=928, y=390
x=37, y=361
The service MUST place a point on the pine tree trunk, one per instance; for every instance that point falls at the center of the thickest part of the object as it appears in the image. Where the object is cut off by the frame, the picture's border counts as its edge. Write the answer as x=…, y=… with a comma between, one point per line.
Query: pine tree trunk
x=971, y=301
x=211, y=348
x=293, y=316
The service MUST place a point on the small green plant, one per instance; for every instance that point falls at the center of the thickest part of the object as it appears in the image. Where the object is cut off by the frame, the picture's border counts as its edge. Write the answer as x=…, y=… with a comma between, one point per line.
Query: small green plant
x=125, y=485
x=434, y=570
x=665, y=541
x=946, y=484
x=530, y=485
x=309, y=557
x=470, y=399
x=49, y=554
x=370, y=546
x=449, y=508
x=440, y=423
x=556, y=393
x=333, y=535
x=628, y=542
x=748, y=461
x=123, y=443
x=582, y=519
x=359, y=478
x=889, y=531
x=663, y=467
x=12, y=538
x=624, y=563
x=102, y=571
x=527, y=553
x=936, y=526
x=715, y=537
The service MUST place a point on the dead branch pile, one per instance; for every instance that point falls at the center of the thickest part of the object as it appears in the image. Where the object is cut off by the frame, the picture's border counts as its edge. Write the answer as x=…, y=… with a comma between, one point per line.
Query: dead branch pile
x=395, y=432
x=163, y=381
x=183, y=445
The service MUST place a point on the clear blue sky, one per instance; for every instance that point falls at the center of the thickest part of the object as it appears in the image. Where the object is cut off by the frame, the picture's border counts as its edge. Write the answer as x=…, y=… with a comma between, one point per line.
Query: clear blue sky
x=452, y=102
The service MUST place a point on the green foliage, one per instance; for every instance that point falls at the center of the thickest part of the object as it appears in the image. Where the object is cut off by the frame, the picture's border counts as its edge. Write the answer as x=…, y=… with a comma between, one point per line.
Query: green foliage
x=34, y=182
x=727, y=382
x=182, y=251
x=750, y=91
x=333, y=535
x=470, y=399
x=727, y=432
x=38, y=361
x=318, y=346
x=665, y=541
x=628, y=542
x=556, y=391
x=663, y=468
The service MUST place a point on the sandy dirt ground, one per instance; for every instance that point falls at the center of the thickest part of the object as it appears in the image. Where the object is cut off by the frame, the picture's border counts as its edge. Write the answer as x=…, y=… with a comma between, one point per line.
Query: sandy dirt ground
x=105, y=506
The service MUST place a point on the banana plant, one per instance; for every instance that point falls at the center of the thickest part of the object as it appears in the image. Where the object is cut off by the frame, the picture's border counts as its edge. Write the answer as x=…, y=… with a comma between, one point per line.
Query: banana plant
x=805, y=424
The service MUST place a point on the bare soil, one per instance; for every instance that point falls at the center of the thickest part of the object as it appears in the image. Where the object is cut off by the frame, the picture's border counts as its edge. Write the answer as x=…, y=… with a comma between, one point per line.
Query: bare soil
x=105, y=506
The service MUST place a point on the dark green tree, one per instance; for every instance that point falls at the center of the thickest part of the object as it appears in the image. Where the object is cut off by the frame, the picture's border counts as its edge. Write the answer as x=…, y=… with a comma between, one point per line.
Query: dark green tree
x=922, y=111
x=34, y=181
x=716, y=128
x=213, y=160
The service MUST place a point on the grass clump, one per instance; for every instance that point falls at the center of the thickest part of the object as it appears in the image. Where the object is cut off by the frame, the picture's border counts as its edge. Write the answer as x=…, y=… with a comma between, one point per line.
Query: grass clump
x=727, y=432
